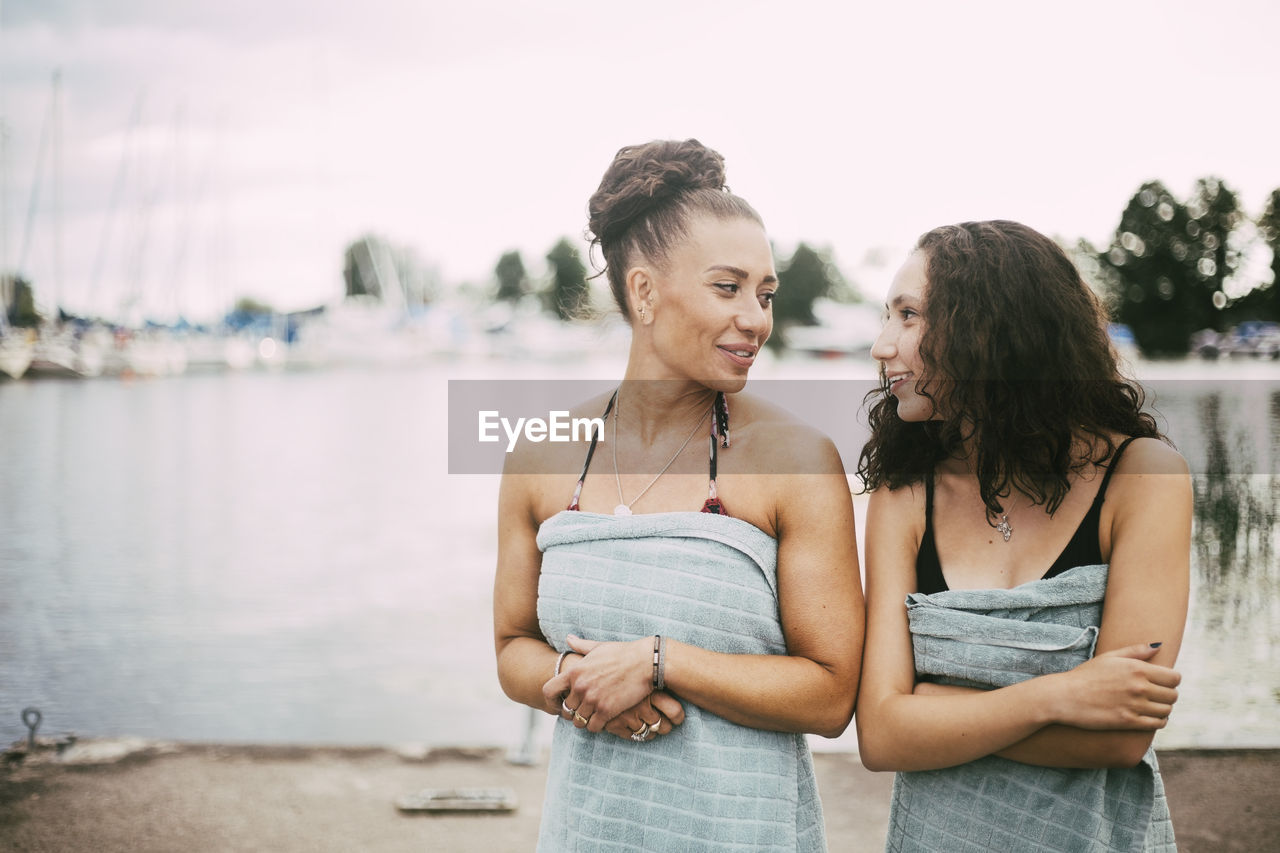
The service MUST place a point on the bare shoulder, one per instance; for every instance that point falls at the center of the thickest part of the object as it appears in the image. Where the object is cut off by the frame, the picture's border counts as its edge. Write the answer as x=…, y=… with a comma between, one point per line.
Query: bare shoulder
x=1152, y=456
x=895, y=528
x=559, y=456
x=1152, y=485
x=539, y=475
x=788, y=443
x=903, y=498
x=900, y=509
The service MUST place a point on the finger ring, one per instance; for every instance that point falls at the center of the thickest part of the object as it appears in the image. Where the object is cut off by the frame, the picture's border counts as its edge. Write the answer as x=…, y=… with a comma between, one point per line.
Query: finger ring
x=579, y=718
x=566, y=708
x=648, y=731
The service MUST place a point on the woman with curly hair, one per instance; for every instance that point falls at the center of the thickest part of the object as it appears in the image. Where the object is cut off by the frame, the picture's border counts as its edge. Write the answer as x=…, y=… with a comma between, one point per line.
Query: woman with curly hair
x=691, y=605
x=1028, y=553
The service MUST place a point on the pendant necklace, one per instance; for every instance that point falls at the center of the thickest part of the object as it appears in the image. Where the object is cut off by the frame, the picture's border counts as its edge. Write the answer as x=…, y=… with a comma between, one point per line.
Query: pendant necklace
x=624, y=506
x=1004, y=527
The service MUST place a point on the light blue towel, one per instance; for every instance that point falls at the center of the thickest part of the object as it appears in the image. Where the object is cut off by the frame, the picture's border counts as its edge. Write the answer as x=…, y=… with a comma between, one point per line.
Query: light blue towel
x=704, y=579
x=992, y=638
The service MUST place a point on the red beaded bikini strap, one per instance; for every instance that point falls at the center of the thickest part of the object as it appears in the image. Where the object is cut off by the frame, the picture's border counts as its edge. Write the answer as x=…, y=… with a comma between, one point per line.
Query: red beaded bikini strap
x=719, y=428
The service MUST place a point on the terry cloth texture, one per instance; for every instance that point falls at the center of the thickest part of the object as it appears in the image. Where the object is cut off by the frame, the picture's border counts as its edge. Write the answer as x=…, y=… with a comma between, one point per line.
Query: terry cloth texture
x=703, y=579
x=992, y=638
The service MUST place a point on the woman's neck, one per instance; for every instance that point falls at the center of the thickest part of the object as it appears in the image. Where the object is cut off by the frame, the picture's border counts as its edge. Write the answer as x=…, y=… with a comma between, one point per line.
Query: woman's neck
x=652, y=408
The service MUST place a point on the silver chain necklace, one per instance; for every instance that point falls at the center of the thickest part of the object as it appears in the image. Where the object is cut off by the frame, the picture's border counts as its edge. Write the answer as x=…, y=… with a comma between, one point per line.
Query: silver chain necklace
x=624, y=506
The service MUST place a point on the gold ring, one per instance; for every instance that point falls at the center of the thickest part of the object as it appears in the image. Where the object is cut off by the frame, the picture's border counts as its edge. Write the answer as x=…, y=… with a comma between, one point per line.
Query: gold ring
x=577, y=716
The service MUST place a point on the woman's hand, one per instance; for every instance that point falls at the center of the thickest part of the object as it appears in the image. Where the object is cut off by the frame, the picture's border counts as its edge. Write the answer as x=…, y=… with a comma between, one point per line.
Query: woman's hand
x=659, y=710
x=1118, y=690
x=614, y=678
x=556, y=689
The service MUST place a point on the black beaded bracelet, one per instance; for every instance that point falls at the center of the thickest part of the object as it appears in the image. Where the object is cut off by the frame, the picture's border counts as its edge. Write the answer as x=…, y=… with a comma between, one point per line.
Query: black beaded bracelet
x=659, y=662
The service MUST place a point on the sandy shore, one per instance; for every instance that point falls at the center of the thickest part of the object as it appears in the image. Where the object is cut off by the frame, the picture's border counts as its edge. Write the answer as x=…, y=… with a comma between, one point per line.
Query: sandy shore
x=108, y=796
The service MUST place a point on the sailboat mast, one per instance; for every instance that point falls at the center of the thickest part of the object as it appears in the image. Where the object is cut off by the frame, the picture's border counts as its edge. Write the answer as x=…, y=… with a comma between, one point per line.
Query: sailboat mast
x=6, y=286
x=57, y=191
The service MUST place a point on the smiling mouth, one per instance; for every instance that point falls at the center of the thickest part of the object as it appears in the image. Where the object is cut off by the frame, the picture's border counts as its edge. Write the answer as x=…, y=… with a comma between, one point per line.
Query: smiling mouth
x=742, y=354
x=895, y=380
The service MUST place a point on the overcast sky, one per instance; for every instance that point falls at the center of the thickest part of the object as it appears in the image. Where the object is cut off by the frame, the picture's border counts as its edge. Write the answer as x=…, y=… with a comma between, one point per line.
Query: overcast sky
x=212, y=150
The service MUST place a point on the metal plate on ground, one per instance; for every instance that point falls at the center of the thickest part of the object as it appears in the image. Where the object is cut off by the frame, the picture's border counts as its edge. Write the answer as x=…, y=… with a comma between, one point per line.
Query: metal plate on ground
x=436, y=800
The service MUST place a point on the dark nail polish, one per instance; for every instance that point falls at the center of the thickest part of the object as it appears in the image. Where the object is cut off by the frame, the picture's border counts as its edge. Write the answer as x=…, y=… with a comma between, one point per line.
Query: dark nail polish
x=1156, y=645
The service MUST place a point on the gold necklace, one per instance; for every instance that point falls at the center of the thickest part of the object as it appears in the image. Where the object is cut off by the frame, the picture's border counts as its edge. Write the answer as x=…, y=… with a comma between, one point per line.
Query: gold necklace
x=624, y=506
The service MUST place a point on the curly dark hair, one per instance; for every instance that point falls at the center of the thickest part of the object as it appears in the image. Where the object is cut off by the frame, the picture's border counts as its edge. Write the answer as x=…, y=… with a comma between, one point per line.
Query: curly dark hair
x=646, y=199
x=1018, y=365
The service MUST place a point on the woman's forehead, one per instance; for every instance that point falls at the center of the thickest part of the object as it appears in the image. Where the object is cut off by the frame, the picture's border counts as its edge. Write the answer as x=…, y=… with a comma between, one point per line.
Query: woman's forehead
x=909, y=282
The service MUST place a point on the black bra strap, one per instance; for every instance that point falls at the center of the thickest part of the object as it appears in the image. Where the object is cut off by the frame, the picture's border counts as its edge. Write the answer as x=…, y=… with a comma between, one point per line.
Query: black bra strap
x=928, y=501
x=1111, y=468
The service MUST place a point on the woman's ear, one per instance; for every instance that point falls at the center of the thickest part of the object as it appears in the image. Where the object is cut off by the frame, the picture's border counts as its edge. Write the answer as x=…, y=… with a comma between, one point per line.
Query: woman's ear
x=640, y=293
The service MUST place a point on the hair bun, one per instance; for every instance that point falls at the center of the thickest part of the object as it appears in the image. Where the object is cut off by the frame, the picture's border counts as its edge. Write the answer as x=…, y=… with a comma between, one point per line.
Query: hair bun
x=644, y=177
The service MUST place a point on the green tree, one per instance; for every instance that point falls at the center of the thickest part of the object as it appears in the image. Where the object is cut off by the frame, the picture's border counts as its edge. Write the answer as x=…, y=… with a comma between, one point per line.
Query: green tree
x=1214, y=212
x=807, y=276
x=22, y=304
x=567, y=292
x=1168, y=261
x=249, y=305
x=372, y=266
x=512, y=279
x=1268, y=295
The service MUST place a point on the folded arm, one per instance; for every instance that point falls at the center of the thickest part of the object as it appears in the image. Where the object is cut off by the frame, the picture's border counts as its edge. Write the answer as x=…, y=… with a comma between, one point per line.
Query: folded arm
x=810, y=689
x=1102, y=713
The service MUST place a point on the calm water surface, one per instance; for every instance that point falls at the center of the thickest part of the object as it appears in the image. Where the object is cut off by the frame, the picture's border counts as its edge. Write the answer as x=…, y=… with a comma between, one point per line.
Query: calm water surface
x=284, y=557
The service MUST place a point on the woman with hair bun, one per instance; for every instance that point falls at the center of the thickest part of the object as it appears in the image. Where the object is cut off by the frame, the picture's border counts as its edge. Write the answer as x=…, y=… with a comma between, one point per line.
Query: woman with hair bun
x=1028, y=559
x=691, y=605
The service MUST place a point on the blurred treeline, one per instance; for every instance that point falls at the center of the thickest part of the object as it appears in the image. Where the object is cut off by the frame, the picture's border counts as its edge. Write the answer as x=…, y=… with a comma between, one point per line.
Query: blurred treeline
x=1177, y=267
x=809, y=274
x=1174, y=267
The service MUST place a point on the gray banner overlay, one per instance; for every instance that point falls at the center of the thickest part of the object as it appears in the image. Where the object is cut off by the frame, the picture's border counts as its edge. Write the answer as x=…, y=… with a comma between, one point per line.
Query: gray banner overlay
x=488, y=418
x=1222, y=428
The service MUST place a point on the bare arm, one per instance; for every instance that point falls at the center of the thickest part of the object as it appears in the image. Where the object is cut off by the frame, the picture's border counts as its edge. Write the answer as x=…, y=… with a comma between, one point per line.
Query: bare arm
x=525, y=659
x=814, y=686
x=1147, y=591
x=902, y=728
x=526, y=662
x=898, y=730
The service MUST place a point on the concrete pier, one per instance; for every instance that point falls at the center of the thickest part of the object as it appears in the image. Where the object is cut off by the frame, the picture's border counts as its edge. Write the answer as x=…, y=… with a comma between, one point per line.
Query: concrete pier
x=143, y=797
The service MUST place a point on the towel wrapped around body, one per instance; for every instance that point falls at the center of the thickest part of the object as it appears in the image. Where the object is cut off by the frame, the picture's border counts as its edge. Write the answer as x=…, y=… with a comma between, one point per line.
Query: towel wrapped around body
x=992, y=638
x=711, y=785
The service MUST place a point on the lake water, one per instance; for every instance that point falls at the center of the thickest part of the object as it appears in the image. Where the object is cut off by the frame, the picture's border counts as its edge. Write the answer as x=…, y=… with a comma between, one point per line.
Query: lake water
x=285, y=557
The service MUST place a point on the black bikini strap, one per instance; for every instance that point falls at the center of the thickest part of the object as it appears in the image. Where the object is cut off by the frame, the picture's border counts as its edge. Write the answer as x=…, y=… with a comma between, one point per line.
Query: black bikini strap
x=595, y=438
x=720, y=426
x=928, y=500
x=1111, y=468
x=720, y=422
